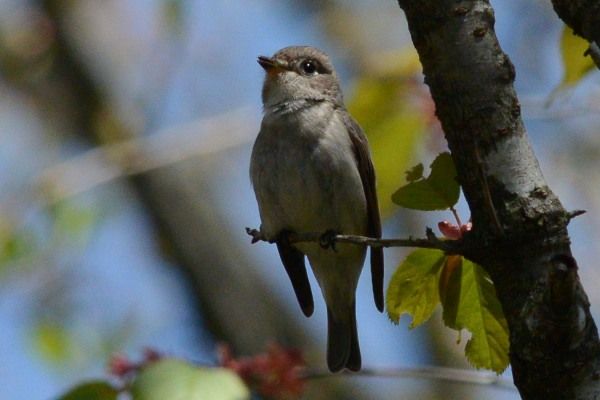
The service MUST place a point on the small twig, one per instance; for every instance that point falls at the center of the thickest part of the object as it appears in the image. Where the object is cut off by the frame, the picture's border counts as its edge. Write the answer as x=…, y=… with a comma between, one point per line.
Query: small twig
x=575, y=213
x=456, y=216
x=434, y=373
x=430, y=242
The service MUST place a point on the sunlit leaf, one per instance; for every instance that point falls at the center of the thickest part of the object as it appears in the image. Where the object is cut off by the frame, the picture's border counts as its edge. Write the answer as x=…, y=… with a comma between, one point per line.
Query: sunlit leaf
x=173, y=379
x=451, y=263
x=95, y=390
x=413, y=288
x=383, y=104
x=470, y=302
x=575, y=63
x=439, y=191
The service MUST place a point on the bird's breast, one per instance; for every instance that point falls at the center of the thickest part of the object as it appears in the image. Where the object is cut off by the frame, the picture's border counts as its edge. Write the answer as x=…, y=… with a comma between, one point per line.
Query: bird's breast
x=305, y=173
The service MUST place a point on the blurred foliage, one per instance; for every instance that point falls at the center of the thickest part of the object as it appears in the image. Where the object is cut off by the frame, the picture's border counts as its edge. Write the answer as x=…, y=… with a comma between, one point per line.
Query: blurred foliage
x=172, y=13
x=386, y=103
x=439, y=191
x=576, y=64
x=73, y=222
x=174, y=379
x=53, y=342
x=15, y=244
x=94, y=390
x=167, y=379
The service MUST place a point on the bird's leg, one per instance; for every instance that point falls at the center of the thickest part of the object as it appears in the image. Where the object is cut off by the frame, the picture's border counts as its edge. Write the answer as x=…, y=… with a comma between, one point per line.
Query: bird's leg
x=327, y=239
x=283, y=237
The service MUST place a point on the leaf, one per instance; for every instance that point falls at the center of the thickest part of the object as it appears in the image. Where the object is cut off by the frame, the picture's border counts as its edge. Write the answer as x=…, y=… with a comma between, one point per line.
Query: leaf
x=93, y=390
x=470, y=302
x=415, y=173
x=174, y=379
x=439, y=191
x=383, y=104
x=413, y=288
x=575, y=63
x=451, y=263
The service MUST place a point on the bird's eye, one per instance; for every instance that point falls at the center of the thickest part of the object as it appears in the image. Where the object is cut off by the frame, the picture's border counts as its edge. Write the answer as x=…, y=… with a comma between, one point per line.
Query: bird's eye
x=309, y=67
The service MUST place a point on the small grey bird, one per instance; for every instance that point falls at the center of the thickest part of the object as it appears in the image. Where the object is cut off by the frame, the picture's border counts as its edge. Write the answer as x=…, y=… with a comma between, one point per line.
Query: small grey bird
x=312, y=172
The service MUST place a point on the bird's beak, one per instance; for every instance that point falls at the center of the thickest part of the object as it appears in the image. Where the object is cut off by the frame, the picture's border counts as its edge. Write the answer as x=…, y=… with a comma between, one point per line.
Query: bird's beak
x=271, y=65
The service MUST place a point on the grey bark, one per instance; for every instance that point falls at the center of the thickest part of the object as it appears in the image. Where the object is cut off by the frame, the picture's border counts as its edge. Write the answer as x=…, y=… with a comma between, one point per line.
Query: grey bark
x=520, y=227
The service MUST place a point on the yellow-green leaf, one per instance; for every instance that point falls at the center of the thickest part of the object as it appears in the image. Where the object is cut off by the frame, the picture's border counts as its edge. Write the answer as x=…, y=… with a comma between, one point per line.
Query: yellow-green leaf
x=470, y=303
x=439, y=191
x=413, y=288
x=575, y=63
x=174, y=379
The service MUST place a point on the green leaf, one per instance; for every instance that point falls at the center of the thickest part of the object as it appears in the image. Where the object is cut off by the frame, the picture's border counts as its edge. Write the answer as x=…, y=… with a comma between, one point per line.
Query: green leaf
x=415, y=173
x=575, y=63
x=383, y=103
x=413, y=288
x=439, y=191
x=94, y=390
x=470, y=303
x=177, y=380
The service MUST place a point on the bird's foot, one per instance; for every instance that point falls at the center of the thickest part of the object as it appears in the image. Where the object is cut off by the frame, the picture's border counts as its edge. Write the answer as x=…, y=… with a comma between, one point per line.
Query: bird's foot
x=327, y=240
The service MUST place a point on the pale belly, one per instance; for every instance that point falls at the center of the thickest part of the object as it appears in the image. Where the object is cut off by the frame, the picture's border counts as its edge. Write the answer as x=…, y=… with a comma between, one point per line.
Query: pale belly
x=308, y=183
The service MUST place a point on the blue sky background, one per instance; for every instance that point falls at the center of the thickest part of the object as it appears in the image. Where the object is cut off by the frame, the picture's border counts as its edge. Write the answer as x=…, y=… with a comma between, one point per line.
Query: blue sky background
x=116, y=283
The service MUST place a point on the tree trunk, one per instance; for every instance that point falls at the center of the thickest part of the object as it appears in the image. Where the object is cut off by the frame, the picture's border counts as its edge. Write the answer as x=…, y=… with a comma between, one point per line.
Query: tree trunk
x=519, y=226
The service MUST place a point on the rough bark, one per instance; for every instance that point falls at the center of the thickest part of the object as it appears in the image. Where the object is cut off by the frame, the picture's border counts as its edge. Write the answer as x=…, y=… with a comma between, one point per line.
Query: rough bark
x=583, y=16
x=520, y=227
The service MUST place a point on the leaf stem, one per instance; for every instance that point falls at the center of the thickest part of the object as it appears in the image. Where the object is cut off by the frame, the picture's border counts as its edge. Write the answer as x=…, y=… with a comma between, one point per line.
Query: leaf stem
x=456, y=217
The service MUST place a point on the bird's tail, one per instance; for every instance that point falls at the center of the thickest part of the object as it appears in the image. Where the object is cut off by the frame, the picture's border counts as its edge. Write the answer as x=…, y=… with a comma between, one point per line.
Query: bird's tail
x=343, y=350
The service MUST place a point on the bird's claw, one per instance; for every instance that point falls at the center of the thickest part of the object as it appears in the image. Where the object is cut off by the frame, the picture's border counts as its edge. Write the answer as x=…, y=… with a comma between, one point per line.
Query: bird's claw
x=327, y=240
x=256, y=234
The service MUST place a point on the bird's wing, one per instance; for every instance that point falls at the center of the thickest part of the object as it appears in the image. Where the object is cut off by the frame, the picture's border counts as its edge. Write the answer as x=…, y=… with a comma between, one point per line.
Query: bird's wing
x=367, y=176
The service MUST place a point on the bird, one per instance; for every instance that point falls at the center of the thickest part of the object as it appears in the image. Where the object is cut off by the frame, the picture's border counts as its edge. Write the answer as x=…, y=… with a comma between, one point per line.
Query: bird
x=311, y=171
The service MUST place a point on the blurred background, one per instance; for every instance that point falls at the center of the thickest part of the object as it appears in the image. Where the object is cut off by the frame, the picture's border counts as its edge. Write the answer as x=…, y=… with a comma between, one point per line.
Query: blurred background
x=125, y=135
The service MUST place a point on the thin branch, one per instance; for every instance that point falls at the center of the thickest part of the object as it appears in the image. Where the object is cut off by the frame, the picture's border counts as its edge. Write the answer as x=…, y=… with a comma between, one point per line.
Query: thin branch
x=430, y=242
x=456, y=216
x=432, y=373
x=142, y=154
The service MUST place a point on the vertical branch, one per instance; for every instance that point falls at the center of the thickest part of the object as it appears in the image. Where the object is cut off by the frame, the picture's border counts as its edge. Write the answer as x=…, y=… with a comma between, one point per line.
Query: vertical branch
x=519, y=225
